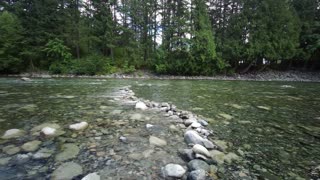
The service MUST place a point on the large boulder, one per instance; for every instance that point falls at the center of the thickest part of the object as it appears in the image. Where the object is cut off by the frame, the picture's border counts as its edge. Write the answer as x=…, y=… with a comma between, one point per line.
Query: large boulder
x=68, y=170
x=79, y=126
x=13, y=133
x=141, y=105
x=31, y=146
x=173, y=170
x=192, y=137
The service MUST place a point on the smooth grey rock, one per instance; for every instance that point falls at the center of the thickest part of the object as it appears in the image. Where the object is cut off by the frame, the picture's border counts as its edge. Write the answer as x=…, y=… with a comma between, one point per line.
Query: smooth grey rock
x=208, y=144
x=192, y=137
x=173, y=170
x=69, y=151
x=13, y=133
x=31, y=146
x=198, y=164
x=11, y=149
x=43, y=153
x=157, y=141
x=199, y=174
x=67, y=171
x=199, y=149
x=203, y=122
x=195, y=125
x=91, y=176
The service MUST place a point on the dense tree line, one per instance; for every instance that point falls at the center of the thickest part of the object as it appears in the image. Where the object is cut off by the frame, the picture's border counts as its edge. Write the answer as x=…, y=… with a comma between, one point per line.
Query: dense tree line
x=184, y=37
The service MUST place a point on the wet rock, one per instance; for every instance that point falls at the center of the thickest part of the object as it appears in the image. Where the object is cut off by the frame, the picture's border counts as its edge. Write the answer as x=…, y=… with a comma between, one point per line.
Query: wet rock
x=157, y=141
x=25, y=79
x=67, y=170
x=11, y=149
x=189, y=121
x=31, y=146
x=69, y=151
x=141, y=105
x=195, y=125
x=198, y=164
x=203, y=122
x=192, y=137
x=187, y=154
x=43, y=153
x=79, y=126
x=13, y=133
x=199, y=149
x=173, y=170
x=22, y=158
x=199, y=174
x=4, y=161
x=208, y=144
x=91, y=176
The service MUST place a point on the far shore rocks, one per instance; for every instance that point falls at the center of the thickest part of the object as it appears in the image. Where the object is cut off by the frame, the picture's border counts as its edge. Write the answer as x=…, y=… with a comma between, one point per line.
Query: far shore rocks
x=68, y=170
x=13, y=133
x=79, y=126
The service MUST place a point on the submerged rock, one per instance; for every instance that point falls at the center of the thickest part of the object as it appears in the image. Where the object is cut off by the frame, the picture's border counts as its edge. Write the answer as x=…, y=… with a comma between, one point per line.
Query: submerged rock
x=198, y=164
x=13, y=133
x=192, y=137
x=66, y=171
x=4, y=161
x=173, y=170
x=157, y=141
x=199, y=174
x=198, y=149
x=226, y=116
x=11, y=149
x=69, y=151
x=43, y=154
x=31, y=146
x=141, y=105
x=79, y=126
x=91, y=176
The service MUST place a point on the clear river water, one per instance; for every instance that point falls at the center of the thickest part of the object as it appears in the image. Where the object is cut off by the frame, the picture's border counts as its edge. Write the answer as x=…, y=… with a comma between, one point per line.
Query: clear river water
x=275, y=126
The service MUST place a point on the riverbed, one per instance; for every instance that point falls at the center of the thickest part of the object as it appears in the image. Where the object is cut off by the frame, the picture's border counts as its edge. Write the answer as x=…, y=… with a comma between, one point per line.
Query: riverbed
x=273, y=126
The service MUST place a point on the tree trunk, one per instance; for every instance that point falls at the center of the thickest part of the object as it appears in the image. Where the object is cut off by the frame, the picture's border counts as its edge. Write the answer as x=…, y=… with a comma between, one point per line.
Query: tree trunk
x=247, y=68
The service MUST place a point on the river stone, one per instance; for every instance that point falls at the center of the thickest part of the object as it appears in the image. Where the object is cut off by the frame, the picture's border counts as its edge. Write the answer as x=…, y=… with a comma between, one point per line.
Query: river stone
x=157, y=141
x=208, y=144
x=141, y=105
x=195, y=125
x=68, y=170
x=41, y=126
x=31, y=146
x=198, y=149
x=79, y=126
x=203, y=122
x=218, y=156
x=173, y=170
x=4, y=161
x=11, y=149
x=198, y=164
x=43, y=153
x=91, y=176
x=189, y=121
x=199, y=174
x=187, y=154
x=69, y=151
x=192, y=137
x=13, y=133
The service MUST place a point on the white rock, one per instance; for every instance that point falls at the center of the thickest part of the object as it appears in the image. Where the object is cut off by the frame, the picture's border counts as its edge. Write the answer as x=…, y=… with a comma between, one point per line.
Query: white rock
x=141, y=105
x=25, y=79
x=79, y=126
x=48, y=131
x=91, y=176
x=195, y=125
x=173, y=170
x=199, y=149
x=13, y=133
x=149, y=126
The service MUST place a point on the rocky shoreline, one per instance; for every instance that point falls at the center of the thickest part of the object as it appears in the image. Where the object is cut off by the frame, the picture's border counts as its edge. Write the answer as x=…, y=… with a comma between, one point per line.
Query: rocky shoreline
x=294, y=76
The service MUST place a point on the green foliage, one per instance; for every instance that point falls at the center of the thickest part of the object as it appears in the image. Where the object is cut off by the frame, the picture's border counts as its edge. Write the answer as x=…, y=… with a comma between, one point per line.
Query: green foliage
x=10, y=43
x=57, y=50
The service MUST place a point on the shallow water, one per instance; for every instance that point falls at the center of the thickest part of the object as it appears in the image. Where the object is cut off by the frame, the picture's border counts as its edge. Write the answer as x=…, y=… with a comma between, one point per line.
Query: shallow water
x=276, y=126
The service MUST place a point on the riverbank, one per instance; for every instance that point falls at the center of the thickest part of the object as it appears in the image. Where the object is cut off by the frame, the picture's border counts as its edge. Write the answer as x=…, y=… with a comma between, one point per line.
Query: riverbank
x=294, y=76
